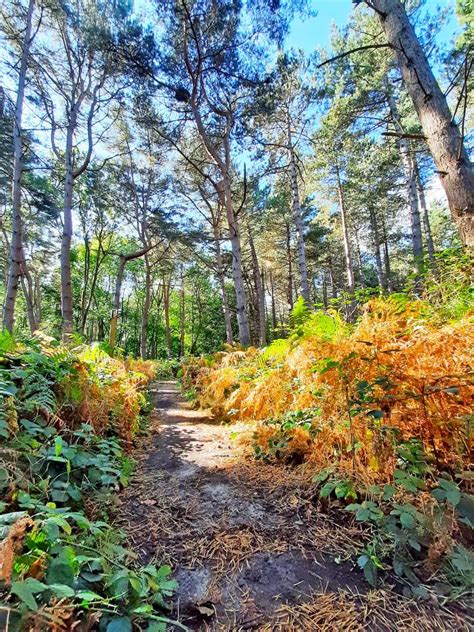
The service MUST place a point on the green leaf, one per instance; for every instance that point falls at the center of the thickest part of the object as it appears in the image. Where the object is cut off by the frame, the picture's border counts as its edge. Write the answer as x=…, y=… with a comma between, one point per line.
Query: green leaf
x=465, y=507
x=389, y=492
x=407, y=520
x=88, y=595
x=61, y=590
x=120, y=624
x=156, y=626
x=61, y=569
x=25, y=591
x=327, y=489
x=58, y=445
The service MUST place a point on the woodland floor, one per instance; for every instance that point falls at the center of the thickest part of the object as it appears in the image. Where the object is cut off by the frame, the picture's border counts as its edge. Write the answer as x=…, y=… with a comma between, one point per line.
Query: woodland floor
x=249, y=546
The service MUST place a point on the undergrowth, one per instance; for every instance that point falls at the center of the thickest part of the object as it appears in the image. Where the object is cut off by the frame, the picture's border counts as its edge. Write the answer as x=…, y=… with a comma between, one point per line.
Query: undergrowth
x=67, y=421
x=380, y=415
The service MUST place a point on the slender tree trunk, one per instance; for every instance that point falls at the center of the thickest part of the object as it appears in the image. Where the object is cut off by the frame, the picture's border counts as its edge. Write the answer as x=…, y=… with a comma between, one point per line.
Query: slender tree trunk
x=146, y=311
x=443, y=136
x=182, y=317
x=378, y=256
x=298, y=220
x=272, y=292
x=332, y=278
x=241, y=304
x=30, y=308
x=166, y=309
x=412, y=197
x=388, y=271
x=290, y=268
x=66, y=283
x=260, y=294
x=426, y=217
x=325, y=291
x=116, y=303
x=95, y=277
x=221, y=281
x=118, y=291
x=345, y=235
x=17, y=264
x=85, y=279
x=225, y=194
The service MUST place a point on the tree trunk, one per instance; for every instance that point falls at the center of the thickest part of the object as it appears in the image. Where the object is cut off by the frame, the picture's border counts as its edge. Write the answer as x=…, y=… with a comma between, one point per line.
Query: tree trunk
x=221, y=280
x=290, y=268
x=298, y=220
x=325, y=291
x=224, y=191
x=345, y=235
x=378, y=257
x=386, y=257
x=272, y=292
x=27, y=287
x=241, y=304
x=116, y=303
x=146, y=311
x=17, y=265
x=411, y=189
x=260, y=294
x=181, y=317
x=95, y=277
x=332, y=278
x=166, y=309
x=442, y=134
x=425, y=215
x=66, y=283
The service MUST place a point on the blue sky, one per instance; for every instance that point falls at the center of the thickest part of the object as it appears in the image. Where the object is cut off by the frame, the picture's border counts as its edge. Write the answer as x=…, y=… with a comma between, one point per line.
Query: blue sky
x=313, y=31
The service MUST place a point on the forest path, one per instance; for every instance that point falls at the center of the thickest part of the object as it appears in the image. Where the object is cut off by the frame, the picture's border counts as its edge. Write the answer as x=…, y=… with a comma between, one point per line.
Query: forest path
x=245, y=543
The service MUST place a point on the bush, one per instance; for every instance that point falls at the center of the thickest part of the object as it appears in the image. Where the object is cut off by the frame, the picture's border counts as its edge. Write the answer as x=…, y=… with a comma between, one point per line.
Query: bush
x=66, y=420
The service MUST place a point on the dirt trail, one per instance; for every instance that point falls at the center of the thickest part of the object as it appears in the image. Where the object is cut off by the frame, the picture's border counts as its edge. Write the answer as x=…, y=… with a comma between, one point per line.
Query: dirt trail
x=246, y=549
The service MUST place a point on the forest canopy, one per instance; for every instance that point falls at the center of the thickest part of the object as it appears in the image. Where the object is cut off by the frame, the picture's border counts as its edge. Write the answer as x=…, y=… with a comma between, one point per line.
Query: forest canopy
x=175, y=176
x=236, y=279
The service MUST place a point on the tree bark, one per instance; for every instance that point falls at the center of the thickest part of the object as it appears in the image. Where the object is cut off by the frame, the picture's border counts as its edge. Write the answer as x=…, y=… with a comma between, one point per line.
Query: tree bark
x=225, y=197
x=425, y=215
x=146, y=311
x=325, y=291
x=17, y=265
x=332, y=277
x=442, y=134
x=182, y=316
x=345, y=235
x=66, y=283
x=123, y=260
x=272, y=293
x=298, y=220
x=166, y=309
x=378, y=256
x=386, y=257
x=260, y=294
x=221, y=280
x=411, y=189
x=290, y=268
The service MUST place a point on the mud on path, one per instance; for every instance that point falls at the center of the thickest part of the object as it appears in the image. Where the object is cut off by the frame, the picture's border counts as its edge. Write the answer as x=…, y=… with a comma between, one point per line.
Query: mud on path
x=247, y=544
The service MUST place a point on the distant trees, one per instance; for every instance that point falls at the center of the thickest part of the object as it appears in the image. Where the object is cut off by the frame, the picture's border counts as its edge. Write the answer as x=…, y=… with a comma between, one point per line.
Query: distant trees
x=167, y=189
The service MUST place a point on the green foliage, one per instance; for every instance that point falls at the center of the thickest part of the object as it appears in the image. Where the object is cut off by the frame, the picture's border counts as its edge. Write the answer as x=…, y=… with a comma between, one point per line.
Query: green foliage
x=403, y=532
x=50, y=471
x=281, y=445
